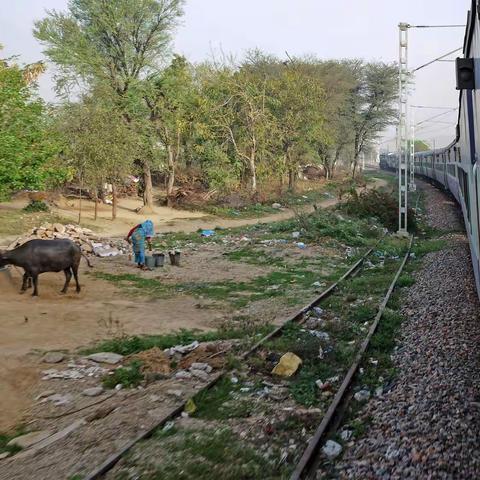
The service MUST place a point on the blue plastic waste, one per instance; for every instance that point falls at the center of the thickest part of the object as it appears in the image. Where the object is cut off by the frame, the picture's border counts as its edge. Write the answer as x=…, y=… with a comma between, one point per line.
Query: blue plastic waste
x=207, y=233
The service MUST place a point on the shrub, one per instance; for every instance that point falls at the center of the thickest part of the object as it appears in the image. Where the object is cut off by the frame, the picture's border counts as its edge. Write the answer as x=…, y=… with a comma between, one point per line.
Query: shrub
x=36, y=206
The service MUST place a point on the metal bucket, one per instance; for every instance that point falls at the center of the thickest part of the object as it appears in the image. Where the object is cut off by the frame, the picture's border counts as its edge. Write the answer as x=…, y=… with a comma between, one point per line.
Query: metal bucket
x=159, y=259
x=149, y=261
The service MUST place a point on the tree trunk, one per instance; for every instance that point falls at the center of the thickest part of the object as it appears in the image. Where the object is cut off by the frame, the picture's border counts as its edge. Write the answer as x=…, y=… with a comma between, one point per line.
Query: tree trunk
x=253, y=173
x=171, y=170
x=292, y=177
x=355, y=163
x=114, y=201
x=95, y=214
x=80, y=201
x=148, y=187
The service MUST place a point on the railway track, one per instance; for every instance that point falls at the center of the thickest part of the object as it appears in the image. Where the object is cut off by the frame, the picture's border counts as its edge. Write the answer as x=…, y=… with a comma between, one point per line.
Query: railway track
x=308, y=458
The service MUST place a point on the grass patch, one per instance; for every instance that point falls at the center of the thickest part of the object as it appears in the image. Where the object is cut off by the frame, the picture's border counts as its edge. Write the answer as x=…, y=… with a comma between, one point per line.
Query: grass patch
x=212, y=455
x=127, y=345
x=222, y=401
x=129, y=376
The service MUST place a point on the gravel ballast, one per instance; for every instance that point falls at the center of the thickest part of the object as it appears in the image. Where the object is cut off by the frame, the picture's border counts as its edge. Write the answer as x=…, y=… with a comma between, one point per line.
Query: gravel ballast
x=428, y=425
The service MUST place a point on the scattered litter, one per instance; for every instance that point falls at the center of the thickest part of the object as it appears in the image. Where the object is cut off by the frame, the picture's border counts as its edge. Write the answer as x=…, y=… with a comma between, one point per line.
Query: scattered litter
x=379, y=391
x=183, y=349
x=190, y=407
x=276, y=205
x=207, y=233
x=346, y=435
x=321, y=335
x=106, y=251
x=75, y=372
x=332, y=449
x=319, y=384
x=295, y=234
x=288, y=365
x=362, y=396
x=168, y=426
x=317, y=284
x=301, y=245
x=234, y=379
x=317, y=311
x=321, y=353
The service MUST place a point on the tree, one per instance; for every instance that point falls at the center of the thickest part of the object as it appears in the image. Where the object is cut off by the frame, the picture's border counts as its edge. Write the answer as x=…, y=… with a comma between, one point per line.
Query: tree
x=371, y=103
x=98, y=145
x=116, y=43
x=171, y=99
x=26, y=145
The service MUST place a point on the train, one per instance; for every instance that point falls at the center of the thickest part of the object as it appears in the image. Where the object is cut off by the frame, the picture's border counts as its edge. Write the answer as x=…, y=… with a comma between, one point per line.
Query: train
x=455, y=167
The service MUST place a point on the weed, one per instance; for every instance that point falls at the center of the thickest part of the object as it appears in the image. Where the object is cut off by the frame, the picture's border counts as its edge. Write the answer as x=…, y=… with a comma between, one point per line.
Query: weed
x=129, y=376
x=36, y=206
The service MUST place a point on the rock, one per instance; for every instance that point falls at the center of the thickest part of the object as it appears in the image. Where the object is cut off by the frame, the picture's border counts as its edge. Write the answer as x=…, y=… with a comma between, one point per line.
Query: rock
x=362, y=396
x=118, y=387
x=93, y=392
x=346, y=435
x=182, y=374
x=199, y=374
x=175, y=393
x=4, y=455
x=58, y=399
x=288, y=365
x=318, y=312
x=234, y=380
x=332, y=449
x=53, y=357
x=276, y=205
x=106, y=357
x=313, y=323
x=58, y=227
x=201, y=366
x=46, y=394
x=29, y=439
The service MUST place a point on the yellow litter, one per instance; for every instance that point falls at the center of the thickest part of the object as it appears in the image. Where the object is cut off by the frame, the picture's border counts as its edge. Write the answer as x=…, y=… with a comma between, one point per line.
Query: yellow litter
x=190, y=407
x=288, y=365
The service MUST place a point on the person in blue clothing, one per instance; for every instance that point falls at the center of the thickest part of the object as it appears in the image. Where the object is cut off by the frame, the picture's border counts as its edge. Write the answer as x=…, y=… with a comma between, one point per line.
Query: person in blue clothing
x=137, y=237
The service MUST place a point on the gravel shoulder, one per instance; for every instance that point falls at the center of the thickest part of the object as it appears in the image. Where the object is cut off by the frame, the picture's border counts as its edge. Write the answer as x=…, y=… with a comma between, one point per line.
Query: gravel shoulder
x=427, y=425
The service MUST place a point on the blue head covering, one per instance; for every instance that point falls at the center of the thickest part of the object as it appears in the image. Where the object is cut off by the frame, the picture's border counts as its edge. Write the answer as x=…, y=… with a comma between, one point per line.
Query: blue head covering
x=148, y=228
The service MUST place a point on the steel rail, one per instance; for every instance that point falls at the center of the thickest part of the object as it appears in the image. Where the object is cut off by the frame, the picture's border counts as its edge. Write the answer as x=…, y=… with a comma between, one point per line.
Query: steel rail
x=310, y=454
x=298, y=317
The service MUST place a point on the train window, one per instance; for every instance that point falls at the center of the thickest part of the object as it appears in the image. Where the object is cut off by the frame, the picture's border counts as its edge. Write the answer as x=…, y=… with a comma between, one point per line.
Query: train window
x=463, y=181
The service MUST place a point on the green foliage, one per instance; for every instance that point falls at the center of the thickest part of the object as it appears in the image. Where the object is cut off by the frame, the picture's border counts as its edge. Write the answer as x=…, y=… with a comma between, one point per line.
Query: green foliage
x=36, y=206
x=27, y=146
x=377, y=204
x=129, y=376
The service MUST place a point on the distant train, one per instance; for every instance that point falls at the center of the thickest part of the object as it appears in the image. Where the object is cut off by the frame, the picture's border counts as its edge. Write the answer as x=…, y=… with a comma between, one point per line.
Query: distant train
x=455, y=167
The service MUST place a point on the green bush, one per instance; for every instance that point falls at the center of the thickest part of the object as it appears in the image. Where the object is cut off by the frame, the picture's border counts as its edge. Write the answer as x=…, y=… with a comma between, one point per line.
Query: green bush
x=129, y=376
x=381, y=205
x=36, y=206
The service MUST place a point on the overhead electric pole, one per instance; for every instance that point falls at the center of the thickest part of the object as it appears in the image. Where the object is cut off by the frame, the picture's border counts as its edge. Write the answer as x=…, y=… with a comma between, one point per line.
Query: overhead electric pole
x=402, y=140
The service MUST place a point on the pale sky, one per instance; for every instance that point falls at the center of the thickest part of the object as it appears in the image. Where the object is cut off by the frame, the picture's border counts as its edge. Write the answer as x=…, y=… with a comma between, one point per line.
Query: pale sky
x=326, y=28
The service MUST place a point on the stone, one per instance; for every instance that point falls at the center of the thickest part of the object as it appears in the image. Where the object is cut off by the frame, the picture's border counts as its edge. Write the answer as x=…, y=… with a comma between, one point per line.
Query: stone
x=199, y=374
x=46, y=394
x=29, y=439
x=175, y=393
x=53, y=357
x=346, y=435
x=313, y=323
x=58, y=227
x=182, y=374
x=93, y=392
x=118, y=387
x=332, y=449
x=106, y=357
x=201, y=366
x=276, y=205
x=362, y=396
x=288, y=365
x=317, y=311
x=4, y=455
x=58, y=399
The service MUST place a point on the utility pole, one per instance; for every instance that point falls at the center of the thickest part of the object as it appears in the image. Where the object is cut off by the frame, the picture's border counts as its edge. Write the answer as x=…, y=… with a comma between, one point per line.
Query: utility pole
x=412, y=185
x=402, y=140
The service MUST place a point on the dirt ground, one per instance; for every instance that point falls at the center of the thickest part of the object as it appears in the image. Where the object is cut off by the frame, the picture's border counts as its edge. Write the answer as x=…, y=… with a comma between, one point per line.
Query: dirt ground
x=31, y=326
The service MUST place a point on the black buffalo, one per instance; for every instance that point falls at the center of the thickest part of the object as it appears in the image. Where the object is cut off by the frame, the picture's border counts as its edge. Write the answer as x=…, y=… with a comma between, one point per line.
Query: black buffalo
x=39, y=256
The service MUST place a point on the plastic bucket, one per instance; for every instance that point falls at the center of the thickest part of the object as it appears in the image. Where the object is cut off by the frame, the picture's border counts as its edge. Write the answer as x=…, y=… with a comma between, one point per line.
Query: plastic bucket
x=159, y=259
x=150, y=261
